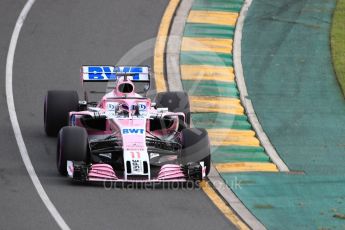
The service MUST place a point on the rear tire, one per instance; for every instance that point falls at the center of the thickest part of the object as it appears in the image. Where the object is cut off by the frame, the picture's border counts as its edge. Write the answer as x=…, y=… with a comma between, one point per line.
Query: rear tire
x=196, y=147
x=72, y=145
x=57, y=105
x=175, y=102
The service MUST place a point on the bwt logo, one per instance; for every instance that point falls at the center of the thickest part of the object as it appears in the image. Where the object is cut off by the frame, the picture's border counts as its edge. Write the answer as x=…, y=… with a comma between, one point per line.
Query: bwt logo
x=108, y=72
x=101, y=72
x=133, y=131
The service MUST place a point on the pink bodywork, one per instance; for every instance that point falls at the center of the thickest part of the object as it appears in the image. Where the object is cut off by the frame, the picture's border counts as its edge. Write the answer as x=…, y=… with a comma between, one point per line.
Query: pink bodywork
x=101, y=172
x=132, y=130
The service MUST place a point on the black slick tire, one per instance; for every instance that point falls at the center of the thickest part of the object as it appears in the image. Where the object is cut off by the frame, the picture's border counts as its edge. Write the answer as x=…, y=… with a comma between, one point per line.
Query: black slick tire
x=72, y=145
x=57, y=105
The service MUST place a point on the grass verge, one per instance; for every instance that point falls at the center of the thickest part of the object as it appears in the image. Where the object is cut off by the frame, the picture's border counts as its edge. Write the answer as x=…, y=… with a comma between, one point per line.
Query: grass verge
x=338, y=42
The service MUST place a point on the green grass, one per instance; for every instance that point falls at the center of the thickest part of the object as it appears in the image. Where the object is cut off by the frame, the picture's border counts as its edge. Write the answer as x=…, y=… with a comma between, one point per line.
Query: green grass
x=338, y=42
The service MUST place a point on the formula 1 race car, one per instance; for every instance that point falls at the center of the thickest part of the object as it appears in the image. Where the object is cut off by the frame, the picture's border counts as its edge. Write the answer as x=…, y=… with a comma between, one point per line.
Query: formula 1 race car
x=125, y=137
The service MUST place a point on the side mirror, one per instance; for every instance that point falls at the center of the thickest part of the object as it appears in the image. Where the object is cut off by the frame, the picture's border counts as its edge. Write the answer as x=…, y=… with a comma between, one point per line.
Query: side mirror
x=82, y=105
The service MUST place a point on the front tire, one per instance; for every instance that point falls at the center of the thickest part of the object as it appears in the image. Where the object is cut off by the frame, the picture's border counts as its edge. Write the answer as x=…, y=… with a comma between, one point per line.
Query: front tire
x=196, y=147
x=57, y=105
x=72, y=145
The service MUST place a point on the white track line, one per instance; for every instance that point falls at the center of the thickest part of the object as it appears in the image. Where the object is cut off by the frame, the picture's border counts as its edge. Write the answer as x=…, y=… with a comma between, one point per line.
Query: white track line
x=14, y=120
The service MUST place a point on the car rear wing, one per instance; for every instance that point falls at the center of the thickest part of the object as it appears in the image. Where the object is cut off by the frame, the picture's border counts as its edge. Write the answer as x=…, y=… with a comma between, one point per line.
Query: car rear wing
x=139, y=75
x=101, y=73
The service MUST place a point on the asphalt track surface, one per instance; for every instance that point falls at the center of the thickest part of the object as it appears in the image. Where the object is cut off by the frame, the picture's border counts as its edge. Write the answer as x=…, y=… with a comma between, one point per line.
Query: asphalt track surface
x=56, y=39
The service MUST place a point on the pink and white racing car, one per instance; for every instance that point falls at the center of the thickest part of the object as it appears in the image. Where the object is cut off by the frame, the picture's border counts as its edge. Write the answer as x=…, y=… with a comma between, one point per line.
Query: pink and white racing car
x=125, y=137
